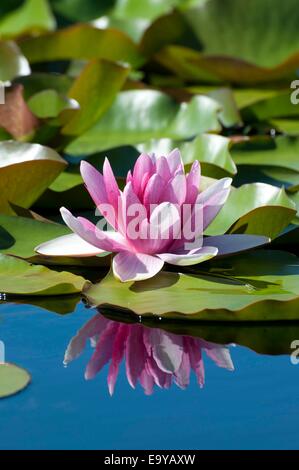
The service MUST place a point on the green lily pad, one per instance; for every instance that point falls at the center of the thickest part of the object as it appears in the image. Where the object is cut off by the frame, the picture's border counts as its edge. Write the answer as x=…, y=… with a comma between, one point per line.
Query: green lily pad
x=279, y=152
x=13, y=379
x=95, y=90
x=256, y=208
x=81, y=41
x=81, y=10
x=26, y=170
x=241, y=33
x=258, y=286
x=49, y=104
x=138, y=116
x=20, y=235
x=21, y=278
x=32, y=16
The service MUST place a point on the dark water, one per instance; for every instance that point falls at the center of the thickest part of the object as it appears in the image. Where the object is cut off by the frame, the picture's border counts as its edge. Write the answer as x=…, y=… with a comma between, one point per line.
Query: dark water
x=255, y=406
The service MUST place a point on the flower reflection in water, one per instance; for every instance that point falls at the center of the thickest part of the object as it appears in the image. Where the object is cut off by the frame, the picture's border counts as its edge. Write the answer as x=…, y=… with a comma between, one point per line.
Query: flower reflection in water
x=152, y=356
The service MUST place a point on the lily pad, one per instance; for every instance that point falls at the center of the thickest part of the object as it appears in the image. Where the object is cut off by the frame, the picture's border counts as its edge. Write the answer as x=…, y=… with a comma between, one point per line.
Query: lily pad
x=138, y=116
x=279, y=152
x=258, y=286
x=49, y=104
x=257, y=208
x=32, y=16
x=94, y=89
x=26, y=170
x=21, y=278
x=81, y=41
x=241, y=31
x=13, y=379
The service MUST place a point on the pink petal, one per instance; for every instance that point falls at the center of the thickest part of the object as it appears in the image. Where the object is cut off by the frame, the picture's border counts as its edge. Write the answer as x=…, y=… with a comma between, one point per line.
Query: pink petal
x=135, y=354
x=103, y=351
x=182, y=375
x=164, y=227
x=175, y=162
x=193, y=180
x=95, y=184
x=235, y=243
x=95, y=326
x=213, y=198
x=219, y=354
x=117, y=356
x=146, y=381
x=160, y=377
x=69, y=245
x=135, y=266
x=176, y=190
x=167, y=350
x=143, y=165
x=154, y=190
x=196, y=361
x=108, y=241
x=189, y=258
x=162, y=169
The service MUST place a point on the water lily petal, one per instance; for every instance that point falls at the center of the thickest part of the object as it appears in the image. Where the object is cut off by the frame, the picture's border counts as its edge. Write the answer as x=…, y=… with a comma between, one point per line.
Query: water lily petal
x=95, y=184
x=162, y=169
x=154, y=190
x=68, y=245
x=167, y=350
x=193, y=180
x=117, y=356
x=135, y=266
x=143, y=165
x=147, y=382
x=175, y=162
x=190, y=257
x=135, y=354
x=235, y=243
x=213, y=198
x=182, y=375
x=176, y=190
x=94, y=327
x=219, y=354
x=103, y=351
x=107, y=241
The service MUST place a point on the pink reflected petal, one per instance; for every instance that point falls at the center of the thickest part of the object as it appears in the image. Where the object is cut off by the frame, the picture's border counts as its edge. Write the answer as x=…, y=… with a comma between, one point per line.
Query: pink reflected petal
x=135, y=354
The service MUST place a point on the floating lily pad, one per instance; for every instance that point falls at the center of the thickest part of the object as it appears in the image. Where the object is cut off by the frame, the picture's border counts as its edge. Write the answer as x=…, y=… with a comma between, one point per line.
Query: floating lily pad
x=141, y=115
x=256, y=208
x=258, y=286
x=26, y=170
x=13, y=379
x=21, y=278
x=81, y=41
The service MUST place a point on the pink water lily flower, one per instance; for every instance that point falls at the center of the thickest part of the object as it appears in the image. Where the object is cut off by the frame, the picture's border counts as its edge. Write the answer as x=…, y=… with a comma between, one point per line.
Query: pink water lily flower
x=152, y=356
x=158, y=191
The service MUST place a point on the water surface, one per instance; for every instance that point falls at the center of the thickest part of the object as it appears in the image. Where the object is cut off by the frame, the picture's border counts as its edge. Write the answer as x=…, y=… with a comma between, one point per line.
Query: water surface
x=253, y=407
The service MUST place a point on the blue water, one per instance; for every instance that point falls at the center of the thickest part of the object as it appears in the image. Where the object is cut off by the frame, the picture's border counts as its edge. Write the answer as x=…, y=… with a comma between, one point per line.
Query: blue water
x=254, y=407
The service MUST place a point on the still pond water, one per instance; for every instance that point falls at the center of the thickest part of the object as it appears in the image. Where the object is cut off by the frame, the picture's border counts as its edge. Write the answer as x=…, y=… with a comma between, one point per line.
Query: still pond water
x=254, y=406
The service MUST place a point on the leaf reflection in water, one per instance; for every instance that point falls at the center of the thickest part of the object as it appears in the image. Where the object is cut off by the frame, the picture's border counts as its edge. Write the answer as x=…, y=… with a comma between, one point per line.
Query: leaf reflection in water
x=152, y=356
